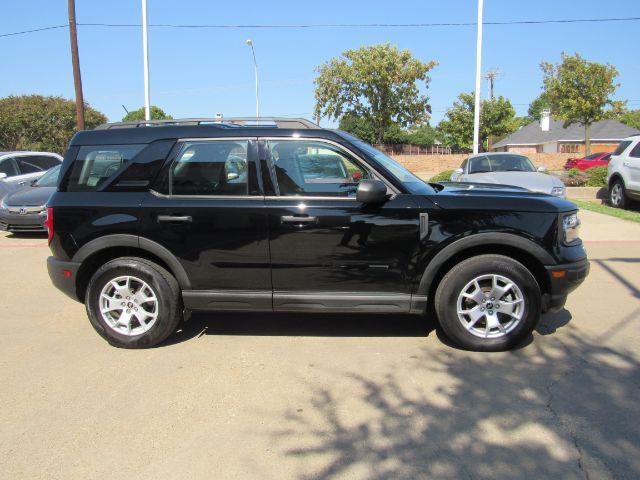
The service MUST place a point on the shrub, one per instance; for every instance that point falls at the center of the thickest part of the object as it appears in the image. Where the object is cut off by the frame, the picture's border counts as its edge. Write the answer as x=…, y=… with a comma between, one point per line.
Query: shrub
x=575, y=178
x=597, y=177
x=442, y=176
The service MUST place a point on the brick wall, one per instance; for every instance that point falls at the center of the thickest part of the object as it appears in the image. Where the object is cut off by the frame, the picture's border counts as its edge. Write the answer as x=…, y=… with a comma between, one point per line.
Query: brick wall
x=438, y=163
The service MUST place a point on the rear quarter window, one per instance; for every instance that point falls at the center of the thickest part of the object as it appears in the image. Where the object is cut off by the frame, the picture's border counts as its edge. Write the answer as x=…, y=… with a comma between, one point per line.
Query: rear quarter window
x=94, y=165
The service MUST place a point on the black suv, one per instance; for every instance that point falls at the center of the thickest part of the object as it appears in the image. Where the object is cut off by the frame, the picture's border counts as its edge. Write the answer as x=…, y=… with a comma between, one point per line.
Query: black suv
x=156, y=219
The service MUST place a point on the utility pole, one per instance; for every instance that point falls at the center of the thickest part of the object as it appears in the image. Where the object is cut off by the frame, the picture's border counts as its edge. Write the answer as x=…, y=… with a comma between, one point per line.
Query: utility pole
x=145, y=54
x=75, y=61
x=476, y=109
x=491, y=76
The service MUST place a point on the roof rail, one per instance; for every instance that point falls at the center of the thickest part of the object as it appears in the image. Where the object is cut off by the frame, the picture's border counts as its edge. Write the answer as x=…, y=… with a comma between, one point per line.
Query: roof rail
x=256, y=122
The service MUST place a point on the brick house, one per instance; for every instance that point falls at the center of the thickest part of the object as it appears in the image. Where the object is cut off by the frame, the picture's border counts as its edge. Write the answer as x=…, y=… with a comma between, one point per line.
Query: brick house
x=549, y=136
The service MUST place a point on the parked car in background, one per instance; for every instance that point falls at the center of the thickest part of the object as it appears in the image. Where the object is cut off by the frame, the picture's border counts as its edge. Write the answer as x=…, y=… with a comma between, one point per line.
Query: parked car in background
x=594, y=160
x=506, y=168
x=25, y=209
x=623, y=173
x=157, y=217
x=19, y=169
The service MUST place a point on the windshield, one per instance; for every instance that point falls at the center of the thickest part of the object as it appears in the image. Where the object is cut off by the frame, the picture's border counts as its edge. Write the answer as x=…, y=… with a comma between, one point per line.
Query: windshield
x=500, y=163
x=408, y=179
x=49, y=179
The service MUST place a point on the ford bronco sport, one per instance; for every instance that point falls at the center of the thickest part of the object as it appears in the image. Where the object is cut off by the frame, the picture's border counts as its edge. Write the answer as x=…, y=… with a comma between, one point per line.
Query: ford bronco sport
x=154, y=219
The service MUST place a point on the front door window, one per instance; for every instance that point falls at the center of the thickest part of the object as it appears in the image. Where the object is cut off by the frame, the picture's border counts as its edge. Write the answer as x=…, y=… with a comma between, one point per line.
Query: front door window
x=313, y=168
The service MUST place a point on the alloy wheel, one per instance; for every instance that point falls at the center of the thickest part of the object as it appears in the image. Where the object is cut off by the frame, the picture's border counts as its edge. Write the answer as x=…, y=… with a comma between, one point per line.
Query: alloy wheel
x=490, y=306
x=128, y=305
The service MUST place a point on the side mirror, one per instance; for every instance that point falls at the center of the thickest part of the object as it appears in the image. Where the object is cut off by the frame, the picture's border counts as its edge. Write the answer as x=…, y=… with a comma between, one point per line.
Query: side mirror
x=456, y=173
x=371, y=191
x=542, y=169
x=3, y=175
x=232, y=176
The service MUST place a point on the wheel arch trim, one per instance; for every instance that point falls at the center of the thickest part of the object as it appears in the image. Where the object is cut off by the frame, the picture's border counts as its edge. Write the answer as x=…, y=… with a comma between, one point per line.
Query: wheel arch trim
x=133, y=241
x=493, y=239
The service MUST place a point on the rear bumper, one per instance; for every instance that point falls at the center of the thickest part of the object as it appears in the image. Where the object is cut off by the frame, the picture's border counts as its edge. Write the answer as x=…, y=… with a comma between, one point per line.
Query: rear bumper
x=564, y=279
x=12, y=222
x=63, y=276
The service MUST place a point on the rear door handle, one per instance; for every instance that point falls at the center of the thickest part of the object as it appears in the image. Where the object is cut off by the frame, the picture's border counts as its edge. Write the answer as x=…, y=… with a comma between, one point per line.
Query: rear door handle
x=294, y=219
x=175, y=218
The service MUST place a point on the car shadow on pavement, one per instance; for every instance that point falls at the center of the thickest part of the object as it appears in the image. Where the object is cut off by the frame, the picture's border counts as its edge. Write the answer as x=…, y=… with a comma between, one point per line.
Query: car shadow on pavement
x=565, y=409
x=305, y=325
x=330, y=325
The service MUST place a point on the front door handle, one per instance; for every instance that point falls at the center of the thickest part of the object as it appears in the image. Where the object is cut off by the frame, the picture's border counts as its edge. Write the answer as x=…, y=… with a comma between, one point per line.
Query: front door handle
x=298, y=220
x=175, y=218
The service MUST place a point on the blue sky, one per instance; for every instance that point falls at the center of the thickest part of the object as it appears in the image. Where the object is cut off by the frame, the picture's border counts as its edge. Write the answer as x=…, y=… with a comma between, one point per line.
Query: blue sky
x=200, y=72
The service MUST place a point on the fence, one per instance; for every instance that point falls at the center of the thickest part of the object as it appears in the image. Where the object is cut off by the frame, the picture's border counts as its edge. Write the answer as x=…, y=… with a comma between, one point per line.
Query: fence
x=407, y=149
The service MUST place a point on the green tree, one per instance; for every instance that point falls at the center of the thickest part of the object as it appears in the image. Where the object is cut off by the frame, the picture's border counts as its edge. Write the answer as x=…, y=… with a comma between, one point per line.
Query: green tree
x=535, y=108
x=579, y=91
x=496, y=118
x=365, y=130
x=35, y=122
x=631, y=118
x=136, y=115
x=422, y=135
x=378, y=83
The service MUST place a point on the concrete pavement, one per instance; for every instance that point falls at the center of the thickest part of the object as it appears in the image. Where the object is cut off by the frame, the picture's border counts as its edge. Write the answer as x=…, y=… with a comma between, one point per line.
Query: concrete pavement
x=293, y=396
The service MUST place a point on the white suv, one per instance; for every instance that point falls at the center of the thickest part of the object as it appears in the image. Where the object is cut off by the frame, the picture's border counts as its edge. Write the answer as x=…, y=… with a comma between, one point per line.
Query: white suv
x=623, y=173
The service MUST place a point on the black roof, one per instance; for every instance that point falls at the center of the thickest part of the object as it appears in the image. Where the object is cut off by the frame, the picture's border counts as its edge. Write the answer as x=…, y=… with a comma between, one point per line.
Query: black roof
x=149, y=131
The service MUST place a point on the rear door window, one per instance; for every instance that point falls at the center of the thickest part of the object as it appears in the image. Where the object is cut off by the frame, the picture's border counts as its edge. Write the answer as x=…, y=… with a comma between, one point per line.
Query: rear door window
x=622, y=146
x=635, y=153
x=94, y=165
x=36, y=163
x=211, y=167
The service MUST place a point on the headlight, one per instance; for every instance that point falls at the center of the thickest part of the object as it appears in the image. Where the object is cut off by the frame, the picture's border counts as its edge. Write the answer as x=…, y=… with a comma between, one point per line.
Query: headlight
x=3, y=204
x=571, y=228
x=558, y=191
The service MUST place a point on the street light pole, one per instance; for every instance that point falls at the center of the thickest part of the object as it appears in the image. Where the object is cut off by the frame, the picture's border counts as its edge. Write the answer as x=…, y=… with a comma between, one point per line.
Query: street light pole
x=476, y=110
x=255, y=66
x=145, y=53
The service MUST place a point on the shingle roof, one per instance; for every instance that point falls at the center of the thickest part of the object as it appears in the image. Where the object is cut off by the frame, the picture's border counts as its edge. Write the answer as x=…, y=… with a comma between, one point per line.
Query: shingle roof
x=532, y=134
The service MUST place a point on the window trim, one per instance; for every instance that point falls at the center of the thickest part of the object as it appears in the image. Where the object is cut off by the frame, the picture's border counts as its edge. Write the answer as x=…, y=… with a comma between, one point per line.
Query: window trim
x=173, y=158
x=377, y=174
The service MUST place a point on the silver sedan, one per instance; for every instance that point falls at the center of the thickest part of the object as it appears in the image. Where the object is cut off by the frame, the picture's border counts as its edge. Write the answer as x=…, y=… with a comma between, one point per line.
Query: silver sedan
x=508, y=169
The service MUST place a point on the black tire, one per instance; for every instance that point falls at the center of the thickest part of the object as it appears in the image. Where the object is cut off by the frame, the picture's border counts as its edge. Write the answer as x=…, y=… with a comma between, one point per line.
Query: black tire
x=620, y=200
x=452, y=285
x=164, y=286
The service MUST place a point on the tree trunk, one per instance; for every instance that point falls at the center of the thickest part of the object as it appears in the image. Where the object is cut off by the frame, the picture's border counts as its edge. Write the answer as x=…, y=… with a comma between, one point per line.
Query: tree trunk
x=587, y=139
x=75, y=60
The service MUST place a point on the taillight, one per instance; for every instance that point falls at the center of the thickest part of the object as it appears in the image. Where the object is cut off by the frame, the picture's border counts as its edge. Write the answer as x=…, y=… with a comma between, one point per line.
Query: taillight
x=49, y=224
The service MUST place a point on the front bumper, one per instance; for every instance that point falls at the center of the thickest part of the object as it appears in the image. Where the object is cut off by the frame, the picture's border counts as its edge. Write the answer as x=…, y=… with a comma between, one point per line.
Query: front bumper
x=563, y=279
x=16, y=222
x=63, y=276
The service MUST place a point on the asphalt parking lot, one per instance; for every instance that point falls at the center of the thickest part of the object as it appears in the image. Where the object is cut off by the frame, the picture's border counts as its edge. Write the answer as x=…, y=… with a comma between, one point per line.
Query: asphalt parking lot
x=274, y=396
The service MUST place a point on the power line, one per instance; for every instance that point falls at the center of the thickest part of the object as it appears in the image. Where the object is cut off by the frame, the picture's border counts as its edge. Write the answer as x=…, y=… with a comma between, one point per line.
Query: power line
x=334, y=25
x=34, y=30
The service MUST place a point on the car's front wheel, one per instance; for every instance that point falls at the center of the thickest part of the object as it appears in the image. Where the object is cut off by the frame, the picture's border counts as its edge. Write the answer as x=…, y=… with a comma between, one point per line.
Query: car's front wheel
x=617, y=194
x=133, y=302
x=488, y=303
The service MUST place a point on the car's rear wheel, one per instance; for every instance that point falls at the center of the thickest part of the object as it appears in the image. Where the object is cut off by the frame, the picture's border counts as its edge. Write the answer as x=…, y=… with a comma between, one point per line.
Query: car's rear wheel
x=133, y=302
x=488, y=303
x=618, y=194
